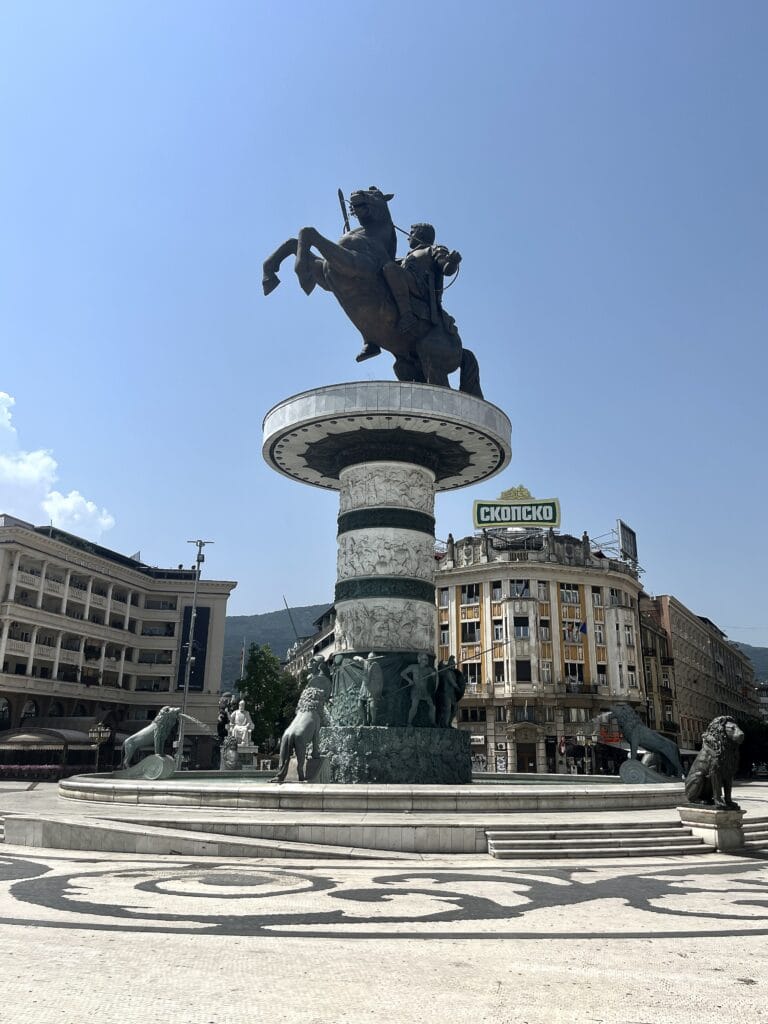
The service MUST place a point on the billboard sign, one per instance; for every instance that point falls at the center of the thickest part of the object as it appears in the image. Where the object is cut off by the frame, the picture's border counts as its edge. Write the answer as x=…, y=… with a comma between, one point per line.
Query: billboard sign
x=627, y=542
x=526, y=512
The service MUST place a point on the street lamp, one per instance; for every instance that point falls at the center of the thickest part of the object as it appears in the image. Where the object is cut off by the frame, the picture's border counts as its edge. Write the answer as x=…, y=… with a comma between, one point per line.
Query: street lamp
x=98, y=734
x=199, y=559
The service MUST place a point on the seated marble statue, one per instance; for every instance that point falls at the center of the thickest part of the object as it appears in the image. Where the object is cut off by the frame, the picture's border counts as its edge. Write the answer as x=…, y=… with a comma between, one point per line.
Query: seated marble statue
x=241, y=725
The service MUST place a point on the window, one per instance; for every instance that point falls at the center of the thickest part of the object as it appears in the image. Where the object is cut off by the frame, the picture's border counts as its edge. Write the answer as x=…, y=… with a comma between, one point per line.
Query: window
x=546, y=671
x=631, y=677
x=569, y=593
x=629, y=638
x=602, y=675
x=445, y=636
x=519, y=588
x=500, y=713
x=573, y=632
x=470, y=633
x=522, y=630
x=498, y=630
x=473, y=714
x=442, y=597
x=665, y=683
x=543, y=590
x=597, y=597
x=615, y=597
x=523, y=671
x=574, y=671
x=498, y=672
x=667, y=712
x=573, y=715
x=599, y=633
x=549, y=713
x=496, y=591
x=472, y=674
x=621, y=677
x=470, y=593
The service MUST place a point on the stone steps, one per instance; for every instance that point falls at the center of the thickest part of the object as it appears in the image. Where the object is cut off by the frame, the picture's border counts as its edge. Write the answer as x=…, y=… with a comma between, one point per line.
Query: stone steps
x=756, y=833
x=633, y=839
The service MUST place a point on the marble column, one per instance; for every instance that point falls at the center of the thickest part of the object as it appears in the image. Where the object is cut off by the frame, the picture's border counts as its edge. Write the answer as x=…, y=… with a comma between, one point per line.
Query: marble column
x=385, y=593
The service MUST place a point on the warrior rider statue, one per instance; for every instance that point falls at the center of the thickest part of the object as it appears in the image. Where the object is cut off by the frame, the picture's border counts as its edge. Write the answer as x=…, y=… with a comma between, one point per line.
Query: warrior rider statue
x=416, y=283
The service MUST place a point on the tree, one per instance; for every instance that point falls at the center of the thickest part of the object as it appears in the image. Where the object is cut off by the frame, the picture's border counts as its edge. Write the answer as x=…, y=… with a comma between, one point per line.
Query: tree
x=263, y=690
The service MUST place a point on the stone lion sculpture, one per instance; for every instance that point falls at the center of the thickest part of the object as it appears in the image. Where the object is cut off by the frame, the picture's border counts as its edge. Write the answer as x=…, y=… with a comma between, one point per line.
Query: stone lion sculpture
x=303, y=731
x=710, y=779
x=155, y=734
x=637, y=734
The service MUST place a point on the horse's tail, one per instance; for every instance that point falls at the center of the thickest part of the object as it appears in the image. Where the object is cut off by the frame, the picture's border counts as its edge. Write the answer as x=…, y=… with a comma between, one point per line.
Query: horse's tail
x=469, y=378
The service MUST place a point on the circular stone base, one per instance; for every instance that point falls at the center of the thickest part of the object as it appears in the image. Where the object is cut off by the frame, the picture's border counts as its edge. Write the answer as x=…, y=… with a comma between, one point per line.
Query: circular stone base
x=314, y=436
x=373, y=754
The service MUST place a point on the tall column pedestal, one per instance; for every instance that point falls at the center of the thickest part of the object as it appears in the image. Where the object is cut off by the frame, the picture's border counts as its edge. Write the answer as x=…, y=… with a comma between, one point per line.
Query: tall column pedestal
x=387, y=447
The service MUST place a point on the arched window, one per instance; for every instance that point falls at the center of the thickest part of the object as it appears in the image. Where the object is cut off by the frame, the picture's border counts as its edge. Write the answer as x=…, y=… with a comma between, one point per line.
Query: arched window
x=56, y=710
x=80, y=711
x=30, y=710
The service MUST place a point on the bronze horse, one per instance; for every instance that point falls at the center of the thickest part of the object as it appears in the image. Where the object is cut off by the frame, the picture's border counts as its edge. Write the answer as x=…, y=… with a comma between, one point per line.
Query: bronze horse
x=352, y=270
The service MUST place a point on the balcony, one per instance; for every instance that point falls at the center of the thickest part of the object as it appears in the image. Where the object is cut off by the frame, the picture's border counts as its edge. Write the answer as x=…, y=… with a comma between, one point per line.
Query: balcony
x=588, y=689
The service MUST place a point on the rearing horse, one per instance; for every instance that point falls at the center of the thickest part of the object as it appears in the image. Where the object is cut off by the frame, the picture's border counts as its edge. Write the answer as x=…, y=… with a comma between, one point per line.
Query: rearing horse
x=352, y=270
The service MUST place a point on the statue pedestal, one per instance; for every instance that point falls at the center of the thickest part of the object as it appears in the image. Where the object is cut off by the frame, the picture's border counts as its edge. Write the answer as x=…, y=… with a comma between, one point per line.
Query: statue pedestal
x=387, y=447
x=722, y=830
x=246, y=755
x=378, y=754
x=636, y=773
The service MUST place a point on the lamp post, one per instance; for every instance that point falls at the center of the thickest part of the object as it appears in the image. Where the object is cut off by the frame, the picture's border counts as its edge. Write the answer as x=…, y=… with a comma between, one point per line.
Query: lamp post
x=199, y=559
x=98, y=734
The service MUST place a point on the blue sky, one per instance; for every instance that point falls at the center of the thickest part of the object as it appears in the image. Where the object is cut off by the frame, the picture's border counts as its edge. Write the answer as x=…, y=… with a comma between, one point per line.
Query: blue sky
x=602, y=168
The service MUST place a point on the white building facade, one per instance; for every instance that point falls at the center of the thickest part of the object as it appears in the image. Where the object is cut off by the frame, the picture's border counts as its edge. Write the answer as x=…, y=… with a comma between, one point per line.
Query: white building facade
x=88, y=633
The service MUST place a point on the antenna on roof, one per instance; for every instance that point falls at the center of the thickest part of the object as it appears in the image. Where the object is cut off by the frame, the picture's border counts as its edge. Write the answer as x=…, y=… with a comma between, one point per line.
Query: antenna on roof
x=293, y=624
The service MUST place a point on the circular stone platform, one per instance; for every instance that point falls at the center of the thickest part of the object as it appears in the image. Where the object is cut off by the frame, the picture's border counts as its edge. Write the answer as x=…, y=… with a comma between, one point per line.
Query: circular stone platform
x=313, y=436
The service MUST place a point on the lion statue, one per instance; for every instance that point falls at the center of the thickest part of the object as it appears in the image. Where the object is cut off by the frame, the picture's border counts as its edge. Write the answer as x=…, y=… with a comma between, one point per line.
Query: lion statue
x=155, y=734
x=710, y=779
x=638, y=734
x=303, y=730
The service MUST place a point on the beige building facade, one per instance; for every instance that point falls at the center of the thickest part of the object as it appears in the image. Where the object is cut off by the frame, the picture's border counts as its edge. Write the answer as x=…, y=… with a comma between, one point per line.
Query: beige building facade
x=712, y=676
x=548, y=635
x=89, y=634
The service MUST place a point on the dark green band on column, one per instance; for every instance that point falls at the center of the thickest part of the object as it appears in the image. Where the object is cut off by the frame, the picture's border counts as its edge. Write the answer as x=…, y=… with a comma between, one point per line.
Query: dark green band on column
x=385, y=586
x=399, y=518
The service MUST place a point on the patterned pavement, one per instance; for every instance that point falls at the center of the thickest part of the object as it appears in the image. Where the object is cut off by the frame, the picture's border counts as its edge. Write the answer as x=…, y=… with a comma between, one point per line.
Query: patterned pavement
x=186, y=941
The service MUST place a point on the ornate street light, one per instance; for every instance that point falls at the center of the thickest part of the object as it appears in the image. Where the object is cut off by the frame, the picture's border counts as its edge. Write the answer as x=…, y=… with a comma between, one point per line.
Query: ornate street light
x=98, y=734
x=199, y=559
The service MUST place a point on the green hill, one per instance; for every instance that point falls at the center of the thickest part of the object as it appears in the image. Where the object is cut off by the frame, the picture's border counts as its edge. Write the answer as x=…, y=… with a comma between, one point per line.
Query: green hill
x=759, y=658
x=273, y=628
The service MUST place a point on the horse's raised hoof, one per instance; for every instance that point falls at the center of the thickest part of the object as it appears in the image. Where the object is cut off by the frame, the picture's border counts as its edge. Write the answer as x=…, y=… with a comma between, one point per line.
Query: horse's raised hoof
x=269, y=282
x=369, y=350
x=307, y=282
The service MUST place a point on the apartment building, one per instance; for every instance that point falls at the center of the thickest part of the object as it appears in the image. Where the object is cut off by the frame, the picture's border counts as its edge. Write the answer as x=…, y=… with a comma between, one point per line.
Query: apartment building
x=548, y=635
x=90, y=634
x=712, y=676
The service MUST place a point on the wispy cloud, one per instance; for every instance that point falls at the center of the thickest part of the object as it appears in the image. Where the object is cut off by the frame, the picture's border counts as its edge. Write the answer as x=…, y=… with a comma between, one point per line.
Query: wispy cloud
x=26, y=485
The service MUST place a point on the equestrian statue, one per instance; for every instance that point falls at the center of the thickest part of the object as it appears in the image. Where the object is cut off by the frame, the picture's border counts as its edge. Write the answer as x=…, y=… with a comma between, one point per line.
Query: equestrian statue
x=395, y=304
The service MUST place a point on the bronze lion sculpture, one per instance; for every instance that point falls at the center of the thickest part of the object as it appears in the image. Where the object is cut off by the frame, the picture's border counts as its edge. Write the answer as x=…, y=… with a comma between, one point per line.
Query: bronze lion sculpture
x=303, y=731
x=638, y=734
x=710, y=779
x=155, y=734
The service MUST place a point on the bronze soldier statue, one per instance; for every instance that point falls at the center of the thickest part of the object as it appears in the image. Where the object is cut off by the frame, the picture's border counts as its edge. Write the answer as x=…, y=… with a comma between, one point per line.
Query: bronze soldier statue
x=416, y=283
